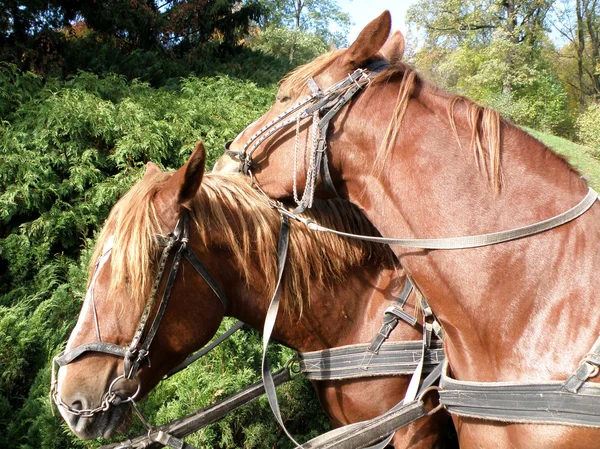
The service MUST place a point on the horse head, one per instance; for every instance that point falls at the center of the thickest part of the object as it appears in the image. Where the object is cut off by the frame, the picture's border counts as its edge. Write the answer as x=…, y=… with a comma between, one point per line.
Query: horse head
x=111, y=359
x=279, y=142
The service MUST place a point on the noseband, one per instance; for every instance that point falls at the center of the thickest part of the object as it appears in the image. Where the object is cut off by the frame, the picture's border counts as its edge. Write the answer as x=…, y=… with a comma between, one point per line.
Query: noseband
x=138, y=351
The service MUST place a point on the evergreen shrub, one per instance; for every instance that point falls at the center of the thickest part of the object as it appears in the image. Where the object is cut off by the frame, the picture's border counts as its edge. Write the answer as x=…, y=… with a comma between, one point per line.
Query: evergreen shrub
x=68, y=150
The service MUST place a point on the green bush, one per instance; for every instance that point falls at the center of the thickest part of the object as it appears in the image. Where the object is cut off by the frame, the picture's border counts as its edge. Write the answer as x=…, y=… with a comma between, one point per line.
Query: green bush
x=68, y=151
x=588, y=127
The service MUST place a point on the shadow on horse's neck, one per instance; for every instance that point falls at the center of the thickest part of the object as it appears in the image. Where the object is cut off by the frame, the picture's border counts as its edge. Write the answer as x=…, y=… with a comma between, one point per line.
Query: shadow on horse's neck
x=342, y=313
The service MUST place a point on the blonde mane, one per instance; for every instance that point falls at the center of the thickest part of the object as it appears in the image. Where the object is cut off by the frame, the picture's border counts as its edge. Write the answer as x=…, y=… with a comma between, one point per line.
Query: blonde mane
x=229, y=214
x=297, y=79
x=483, y=122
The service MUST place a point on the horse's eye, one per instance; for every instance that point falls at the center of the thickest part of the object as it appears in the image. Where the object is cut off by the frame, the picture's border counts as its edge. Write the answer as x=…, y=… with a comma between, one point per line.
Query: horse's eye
x=283, y=98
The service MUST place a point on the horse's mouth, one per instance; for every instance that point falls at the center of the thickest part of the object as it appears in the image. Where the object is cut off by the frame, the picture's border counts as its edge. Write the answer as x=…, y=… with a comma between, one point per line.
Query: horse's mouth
x=108, y=424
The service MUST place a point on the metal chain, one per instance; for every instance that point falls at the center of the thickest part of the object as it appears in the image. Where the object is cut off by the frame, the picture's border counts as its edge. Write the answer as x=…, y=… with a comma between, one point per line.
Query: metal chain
x=109, y=398
x=311, y=172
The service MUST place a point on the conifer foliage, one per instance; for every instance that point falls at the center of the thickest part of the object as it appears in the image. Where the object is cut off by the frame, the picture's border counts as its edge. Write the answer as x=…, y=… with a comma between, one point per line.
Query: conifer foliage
x=68, y=151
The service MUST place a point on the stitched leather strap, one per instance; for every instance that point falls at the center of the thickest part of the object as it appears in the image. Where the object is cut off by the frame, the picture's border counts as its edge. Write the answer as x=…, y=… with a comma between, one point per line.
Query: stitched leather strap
x=203, y=271
x=269, y=325
x=345, y=362
x=586, y=369
x=66, y=357
x=475, y=240
x=575, y=402
x=522, y=403
x=366, y=432
x=391, y=317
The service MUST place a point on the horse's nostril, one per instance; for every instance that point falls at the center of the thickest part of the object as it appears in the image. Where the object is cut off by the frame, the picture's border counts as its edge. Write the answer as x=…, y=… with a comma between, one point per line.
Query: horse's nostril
x=77, y=405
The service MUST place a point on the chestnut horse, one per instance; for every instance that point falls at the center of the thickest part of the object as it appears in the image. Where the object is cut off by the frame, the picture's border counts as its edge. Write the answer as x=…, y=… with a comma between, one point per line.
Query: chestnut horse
x=335, y=292
x=423, y=163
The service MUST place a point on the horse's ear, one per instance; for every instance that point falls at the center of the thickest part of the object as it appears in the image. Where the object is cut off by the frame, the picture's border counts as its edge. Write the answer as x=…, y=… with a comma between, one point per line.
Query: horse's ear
x=369, y=41
x=393, y=49
x=192, y=178
x=152, y=168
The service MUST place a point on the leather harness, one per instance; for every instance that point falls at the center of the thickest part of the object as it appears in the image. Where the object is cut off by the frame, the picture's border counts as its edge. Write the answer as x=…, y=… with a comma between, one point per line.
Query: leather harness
x=138, y=351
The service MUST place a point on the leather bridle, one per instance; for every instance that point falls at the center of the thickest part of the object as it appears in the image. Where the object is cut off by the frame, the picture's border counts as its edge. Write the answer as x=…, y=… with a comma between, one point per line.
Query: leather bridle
x=138, y=351
x=321, y=106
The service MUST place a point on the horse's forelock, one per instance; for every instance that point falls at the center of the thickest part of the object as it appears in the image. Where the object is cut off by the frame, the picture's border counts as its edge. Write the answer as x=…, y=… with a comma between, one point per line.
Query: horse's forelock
x=132, y=225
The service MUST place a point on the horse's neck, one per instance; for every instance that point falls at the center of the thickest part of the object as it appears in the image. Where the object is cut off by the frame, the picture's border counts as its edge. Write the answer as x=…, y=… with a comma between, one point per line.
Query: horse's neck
x=347, y=312
x=497, y=300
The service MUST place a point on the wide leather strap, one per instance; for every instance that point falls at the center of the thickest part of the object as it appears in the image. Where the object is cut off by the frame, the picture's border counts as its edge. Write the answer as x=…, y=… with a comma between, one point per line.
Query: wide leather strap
x=66, y=357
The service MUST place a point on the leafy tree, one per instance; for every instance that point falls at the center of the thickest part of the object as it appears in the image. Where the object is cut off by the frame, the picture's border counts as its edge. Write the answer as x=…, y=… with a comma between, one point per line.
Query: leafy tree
x=305, y=16
x=43, y=36
x=496, y=52
x=286, y=43
x=454, y=24
x=578, y=22
x=588, y=129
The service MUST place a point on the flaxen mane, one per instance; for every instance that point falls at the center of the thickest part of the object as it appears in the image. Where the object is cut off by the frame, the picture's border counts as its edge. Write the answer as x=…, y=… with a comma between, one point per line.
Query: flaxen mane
x=483, y=122
x=228, y=211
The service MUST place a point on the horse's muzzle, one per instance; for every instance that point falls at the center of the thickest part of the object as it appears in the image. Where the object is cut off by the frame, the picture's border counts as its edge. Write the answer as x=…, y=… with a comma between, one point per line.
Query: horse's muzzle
x=112, y=422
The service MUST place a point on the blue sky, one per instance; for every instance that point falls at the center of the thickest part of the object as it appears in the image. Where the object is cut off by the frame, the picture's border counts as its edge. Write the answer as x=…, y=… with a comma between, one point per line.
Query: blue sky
x=363, y=11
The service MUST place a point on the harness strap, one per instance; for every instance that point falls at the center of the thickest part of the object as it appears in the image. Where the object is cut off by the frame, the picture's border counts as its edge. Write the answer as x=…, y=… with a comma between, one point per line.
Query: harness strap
x=587, y=368
x=332, y=105
x=191, y=423
x=268, y=130
x=144, y=349
x=346, y=362
x=378, y=66
x=180, y=235
x=471, y=241
x=203, y=271
x=201, y=353
x=138, y=350
x=542, y=403
x=169, y=440
x=130, y=366
x=392, y=316
x=574, y=402
x=326, y=175
x=269, y=325
x=66, y=357
x=366, y=432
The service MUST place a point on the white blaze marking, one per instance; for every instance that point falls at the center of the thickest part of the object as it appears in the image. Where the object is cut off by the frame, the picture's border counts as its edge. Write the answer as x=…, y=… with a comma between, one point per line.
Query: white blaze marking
x=85, y=309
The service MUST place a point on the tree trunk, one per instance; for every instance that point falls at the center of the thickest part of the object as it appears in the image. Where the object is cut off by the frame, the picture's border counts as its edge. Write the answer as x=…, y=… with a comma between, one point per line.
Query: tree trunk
x=509, y=27
x=580, y=48
x=297, y=15
x=592, y=27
